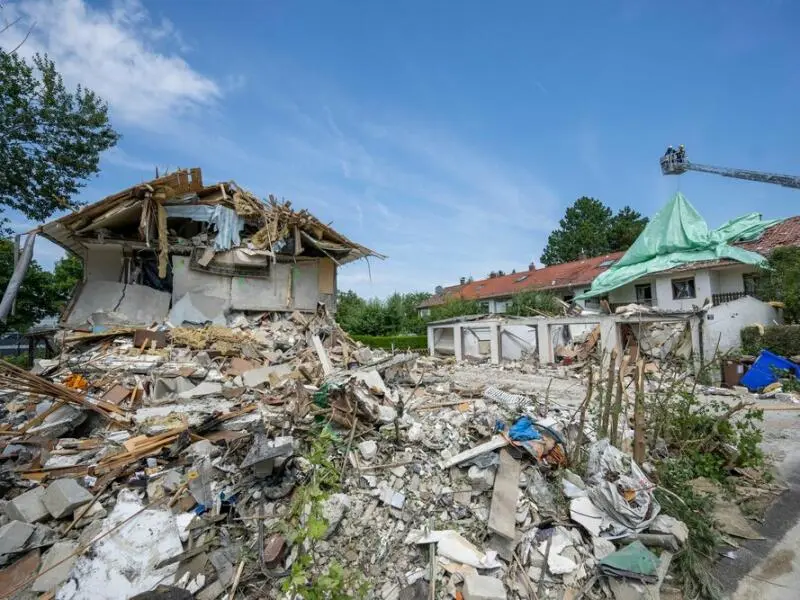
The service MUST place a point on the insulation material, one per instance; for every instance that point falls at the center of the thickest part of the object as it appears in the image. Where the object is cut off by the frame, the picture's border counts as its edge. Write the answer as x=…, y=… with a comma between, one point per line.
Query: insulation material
x=677, y=235
x=123, y=563
x=224, y=220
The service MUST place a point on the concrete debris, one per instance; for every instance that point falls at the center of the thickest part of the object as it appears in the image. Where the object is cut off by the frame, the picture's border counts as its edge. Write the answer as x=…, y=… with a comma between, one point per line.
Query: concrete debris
x=63, y=496
x=13, y=536
x=56, y=565
x=241, y=437
x=28, y=507
x=480, y=587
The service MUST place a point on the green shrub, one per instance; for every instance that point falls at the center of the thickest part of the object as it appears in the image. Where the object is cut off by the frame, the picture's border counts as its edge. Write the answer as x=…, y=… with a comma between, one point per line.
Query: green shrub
x=751, y=340
x=783, y=340
x=400, y=342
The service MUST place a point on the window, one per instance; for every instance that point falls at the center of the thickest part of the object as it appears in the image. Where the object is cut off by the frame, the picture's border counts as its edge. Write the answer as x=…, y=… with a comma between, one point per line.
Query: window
x=607, y=263
x=644, y=294
x=519, y=279
x=683, y=289
x=593, y=302
x=751, y=283
x=569, y=297
x=484, y=307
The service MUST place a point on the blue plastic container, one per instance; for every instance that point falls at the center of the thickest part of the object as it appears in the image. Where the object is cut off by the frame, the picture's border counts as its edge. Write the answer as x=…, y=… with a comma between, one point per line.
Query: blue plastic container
x=762, y=373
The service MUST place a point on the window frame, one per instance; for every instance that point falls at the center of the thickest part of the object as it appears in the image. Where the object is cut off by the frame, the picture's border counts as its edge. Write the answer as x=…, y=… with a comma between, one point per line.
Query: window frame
x=642, y=286
x=755, y=279
x=681, y=280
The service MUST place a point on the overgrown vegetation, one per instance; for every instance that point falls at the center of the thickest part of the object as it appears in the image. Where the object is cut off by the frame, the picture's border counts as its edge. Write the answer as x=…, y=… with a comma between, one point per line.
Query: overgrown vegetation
x=701, y=439
x=397, y=315
x=781, y=281
x=783, y=340
x=309, y=526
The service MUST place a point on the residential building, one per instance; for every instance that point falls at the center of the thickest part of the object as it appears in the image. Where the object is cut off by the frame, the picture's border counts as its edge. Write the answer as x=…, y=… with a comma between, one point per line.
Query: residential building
x=174, y=247
x=681, y=288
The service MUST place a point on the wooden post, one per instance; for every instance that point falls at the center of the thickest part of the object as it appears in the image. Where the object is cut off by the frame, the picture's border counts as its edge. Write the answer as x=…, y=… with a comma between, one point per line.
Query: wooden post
x=606, y=403
x=617, y=408
x=582, y=421
x=638, y=415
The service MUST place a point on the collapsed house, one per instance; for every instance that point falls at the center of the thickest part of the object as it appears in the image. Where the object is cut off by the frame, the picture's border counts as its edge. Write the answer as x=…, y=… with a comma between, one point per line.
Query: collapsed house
x=176, y=249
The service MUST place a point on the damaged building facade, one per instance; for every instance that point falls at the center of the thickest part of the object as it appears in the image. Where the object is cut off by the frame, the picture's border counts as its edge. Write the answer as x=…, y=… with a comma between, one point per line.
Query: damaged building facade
x=177, y=249
x=707, y=282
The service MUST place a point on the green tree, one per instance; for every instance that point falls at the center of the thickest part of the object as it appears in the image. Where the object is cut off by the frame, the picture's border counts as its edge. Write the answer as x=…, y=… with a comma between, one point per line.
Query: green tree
x=67, y=272
x=397, y=315
x=532, y=303
x=35, y=299
x=626, y=226
x=456, y=308
x=781, y=281
x=51, y=138
x=590, y=228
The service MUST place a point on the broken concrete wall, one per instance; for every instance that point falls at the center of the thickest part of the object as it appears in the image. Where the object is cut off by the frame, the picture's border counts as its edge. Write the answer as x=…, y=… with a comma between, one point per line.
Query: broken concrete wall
x=289, y=286
x=140, y=304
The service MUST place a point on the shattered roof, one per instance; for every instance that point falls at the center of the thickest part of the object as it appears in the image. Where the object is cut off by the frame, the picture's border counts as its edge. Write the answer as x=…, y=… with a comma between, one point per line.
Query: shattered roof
x=564, y=275
x=132, y=217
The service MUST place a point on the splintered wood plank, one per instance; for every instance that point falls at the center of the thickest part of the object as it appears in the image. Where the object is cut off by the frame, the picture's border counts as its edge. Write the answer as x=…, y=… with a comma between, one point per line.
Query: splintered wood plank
x=503, y=511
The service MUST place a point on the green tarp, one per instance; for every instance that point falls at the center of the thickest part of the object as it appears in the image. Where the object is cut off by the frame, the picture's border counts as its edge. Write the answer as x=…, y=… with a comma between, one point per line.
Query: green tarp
x=678, y=235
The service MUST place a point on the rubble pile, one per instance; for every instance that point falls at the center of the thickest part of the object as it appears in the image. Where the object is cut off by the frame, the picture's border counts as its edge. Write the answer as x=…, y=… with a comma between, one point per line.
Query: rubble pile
x=271, y=455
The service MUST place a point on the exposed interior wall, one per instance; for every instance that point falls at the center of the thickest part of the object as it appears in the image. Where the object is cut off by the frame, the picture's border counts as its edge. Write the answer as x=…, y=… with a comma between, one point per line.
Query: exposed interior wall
x=476, y=340
x=517, y=341
x=103, y=262
x=442, y=339
x=724, y=323
x=623, y=295
x=289, y=286
x=140, y=304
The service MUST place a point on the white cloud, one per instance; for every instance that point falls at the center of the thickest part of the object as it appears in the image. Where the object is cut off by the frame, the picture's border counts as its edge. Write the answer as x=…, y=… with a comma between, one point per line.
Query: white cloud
x=121, y=54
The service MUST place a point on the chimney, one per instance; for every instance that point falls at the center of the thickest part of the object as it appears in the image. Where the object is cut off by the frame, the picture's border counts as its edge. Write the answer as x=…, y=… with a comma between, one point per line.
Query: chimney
x=532, y=266
x=463, y=280
x=439, y=290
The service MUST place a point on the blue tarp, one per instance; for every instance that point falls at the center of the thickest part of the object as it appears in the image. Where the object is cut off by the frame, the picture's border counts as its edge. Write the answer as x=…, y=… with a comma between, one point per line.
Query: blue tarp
x=523, y=430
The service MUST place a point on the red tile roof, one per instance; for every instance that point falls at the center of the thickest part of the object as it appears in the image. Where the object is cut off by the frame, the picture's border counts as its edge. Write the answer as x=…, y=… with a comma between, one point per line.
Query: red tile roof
x=565, y=275
x=583, y=272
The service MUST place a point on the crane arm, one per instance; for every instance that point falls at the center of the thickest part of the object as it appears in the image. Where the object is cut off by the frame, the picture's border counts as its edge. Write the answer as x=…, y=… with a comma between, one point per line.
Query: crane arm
x=790, y=181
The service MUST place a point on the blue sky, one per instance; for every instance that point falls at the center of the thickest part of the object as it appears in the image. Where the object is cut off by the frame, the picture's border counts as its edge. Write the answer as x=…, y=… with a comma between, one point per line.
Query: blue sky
x=448, y=135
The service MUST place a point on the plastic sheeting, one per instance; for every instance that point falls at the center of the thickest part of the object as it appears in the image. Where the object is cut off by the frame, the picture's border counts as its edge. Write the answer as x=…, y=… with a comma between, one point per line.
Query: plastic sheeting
x=678, y=235
x=620, y=492
x=224, y=220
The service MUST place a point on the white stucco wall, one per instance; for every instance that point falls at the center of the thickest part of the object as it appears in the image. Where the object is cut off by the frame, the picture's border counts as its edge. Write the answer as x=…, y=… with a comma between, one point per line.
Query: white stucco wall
x=702, y=286
x=724, y=323
x=730, y=280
